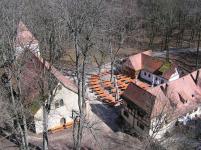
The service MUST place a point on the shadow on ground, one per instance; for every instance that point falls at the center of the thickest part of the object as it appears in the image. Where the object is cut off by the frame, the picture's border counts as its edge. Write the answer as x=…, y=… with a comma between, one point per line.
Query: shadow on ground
x=108, y=114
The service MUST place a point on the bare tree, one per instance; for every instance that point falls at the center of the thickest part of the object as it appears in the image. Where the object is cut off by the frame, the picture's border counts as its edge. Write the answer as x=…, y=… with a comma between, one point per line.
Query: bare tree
x=10, y=14
x=47, y=27
x=82, y=19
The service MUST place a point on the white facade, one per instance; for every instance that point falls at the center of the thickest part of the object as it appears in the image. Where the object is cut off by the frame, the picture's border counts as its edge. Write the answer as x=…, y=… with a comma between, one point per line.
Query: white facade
x=155, y=79
x=33, y=47
x=152, y=78
x=174, y=76
x=168, y=127
x=58, y=110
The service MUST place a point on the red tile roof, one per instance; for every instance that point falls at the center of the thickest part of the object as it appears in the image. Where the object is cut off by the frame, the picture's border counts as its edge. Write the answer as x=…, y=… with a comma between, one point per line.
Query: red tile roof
x=24, y=36
x=168, y=73
x=140, y=97
x=30, y=74
x=145, y=61
x=135, y=61
x=176, y=98
x=60, y=77
x=33, y=65
x=150, y=63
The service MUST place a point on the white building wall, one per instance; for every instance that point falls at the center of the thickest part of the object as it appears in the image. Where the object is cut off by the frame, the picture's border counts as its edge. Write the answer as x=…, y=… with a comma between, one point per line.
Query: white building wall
x=168, y=127
x=154, y=79
x=174, y=76
x=33, y=47
x=133, y=123
x=70, y=100
x=128, y=119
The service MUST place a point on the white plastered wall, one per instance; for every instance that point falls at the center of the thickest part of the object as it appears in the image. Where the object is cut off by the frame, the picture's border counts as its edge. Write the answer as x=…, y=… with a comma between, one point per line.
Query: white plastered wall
x=174, y=76
x=151, y=77
x=33, y=47
x=70, y=99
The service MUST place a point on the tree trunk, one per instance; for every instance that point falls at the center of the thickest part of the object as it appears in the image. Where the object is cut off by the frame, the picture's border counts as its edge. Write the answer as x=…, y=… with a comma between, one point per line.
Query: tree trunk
x=20, y=123
x=112, y=62
x=77, y=126
x=166, y=47
x=117, y=89
x=24, y=123
x=198, y=47
x=45, y=127
x=152, y=36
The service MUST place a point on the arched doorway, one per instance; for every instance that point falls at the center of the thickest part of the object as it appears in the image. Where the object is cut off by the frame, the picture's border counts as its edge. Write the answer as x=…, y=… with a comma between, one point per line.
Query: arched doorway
x=63, y=121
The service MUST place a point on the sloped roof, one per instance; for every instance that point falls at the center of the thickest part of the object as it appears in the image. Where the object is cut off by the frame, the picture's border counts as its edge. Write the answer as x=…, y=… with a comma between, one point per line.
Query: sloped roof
x=33, y=65
x=140, y=97
x=176, y=98
x=24, y=36
x=150, y=63
x=169, y=72
x=31, y=73
x=143, y=60
x=60, y=77
x=135, y=61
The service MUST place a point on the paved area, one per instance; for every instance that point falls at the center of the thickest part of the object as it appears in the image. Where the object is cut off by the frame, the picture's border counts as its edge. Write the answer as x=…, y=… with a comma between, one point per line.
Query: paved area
x=106, y=133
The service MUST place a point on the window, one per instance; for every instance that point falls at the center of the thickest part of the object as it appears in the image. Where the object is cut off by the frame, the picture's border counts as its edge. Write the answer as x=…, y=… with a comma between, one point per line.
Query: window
x=63, y=121
x=59, y=87
x=61, y=102
x=156, y=78
x=56, y=104
x=129, y=106
x=141, y=114
x=145, y=73
x=149, y=75
x=126, y=114
x=140, y=125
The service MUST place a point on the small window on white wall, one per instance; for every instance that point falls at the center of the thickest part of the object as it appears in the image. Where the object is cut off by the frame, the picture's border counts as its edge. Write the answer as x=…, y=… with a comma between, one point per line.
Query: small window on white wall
x=56, y=104
x=63, y=121
x=145, y=73
x=140, y=125
x=61, y=102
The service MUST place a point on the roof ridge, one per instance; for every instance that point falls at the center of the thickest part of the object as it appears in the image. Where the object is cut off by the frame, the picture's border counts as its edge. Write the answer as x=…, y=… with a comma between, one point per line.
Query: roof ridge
x=60, y=77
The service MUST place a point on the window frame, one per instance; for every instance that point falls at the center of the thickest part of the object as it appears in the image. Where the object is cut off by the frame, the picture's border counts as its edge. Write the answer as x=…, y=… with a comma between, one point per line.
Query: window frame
x=61, y=102
x=56, y=104
x=126, y=114
x=140, y=125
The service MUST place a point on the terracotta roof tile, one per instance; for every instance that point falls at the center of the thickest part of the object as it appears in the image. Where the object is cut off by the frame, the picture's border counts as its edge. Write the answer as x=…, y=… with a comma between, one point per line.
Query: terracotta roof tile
x=140, y=97
x=143, y=60
x=24, y=36
x=175, y=98
x=60, y=77
x=150, y=63
x=168, y=73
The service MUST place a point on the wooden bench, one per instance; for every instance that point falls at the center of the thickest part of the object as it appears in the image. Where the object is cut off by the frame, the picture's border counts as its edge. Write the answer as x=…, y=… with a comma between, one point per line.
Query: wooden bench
x=61, y=127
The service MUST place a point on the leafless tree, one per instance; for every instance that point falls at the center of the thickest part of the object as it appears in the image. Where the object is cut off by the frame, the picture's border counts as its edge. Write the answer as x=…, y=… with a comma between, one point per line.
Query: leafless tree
x=45, y=22
x=82, y=20
x=10, y=15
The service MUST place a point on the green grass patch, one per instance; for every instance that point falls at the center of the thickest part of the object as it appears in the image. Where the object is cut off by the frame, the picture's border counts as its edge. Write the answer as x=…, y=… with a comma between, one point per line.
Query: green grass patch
x=35, y=106
x=166, y=66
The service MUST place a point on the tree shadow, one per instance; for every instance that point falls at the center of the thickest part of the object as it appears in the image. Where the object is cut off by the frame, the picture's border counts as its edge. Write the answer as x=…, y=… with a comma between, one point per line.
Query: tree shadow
x=108, y=114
